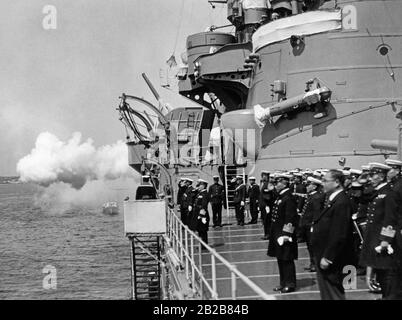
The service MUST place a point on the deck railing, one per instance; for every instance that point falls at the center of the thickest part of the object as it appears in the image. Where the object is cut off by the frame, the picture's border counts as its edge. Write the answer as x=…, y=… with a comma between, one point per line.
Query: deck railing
x=188, y=247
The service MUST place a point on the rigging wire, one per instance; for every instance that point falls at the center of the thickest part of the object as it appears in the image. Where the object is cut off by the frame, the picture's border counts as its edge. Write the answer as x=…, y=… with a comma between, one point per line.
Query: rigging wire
x=179, y=27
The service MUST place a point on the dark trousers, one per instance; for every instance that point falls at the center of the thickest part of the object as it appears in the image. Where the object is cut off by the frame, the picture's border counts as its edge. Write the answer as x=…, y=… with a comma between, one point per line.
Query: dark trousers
x=267, y=222
x=203, y=235
x=287, y=273
x=254, y=211
x=216, y=214
x=263, y=212
x=306, y=234
x=239, y=210
x=390, y=283
x=183, y=215
x=329, y=290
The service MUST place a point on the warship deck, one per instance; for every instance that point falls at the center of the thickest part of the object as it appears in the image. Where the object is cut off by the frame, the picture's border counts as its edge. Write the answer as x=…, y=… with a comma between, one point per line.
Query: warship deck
x=243, y=247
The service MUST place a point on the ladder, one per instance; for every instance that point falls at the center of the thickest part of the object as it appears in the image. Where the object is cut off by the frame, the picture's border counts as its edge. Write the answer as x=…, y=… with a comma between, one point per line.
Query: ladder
x=231, y=172
x=146, y=268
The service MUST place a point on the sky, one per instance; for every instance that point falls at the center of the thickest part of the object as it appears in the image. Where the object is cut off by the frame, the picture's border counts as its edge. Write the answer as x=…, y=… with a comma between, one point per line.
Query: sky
x=69, y=79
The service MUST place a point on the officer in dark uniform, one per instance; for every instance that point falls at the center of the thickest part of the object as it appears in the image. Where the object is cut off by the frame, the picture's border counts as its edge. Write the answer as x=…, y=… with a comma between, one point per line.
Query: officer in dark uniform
x=331, y=238
x=381, y=252
x=217, y=199
x=182, y=186
x=201, y=210
x=300, y=193
x=239, y=200
x=254, y=196
x=312, y=207
x=187, y=203
x=282, y=240
x=268, y=196
x=395, y=178
x=299, y=190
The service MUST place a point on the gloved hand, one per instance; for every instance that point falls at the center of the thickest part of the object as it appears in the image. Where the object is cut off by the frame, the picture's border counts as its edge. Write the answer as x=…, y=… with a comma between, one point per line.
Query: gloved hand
x=281, y=240
x=242, y=203
x=267, y=209
x=384, y=246
x=190, y=208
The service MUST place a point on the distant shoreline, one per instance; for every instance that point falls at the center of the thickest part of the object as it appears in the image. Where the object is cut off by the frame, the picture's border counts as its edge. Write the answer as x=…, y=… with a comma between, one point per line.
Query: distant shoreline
x=10, y=180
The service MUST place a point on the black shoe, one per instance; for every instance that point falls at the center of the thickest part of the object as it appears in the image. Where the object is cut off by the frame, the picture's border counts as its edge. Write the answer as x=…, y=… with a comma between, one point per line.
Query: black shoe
x=276, y=289
x=252, y=222
x=241, y=224
x=307, y=268
x=287, y=290
x=264, y=238
x=312, y=269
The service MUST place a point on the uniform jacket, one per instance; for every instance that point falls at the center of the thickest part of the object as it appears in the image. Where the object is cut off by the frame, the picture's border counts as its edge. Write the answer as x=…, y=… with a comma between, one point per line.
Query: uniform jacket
x=300, y=189
x=254, y=192
x=180, y=192
x=312, y=208
x=240, y=194
x=283, y=223
x=188, y=197
x=382, y=225
x=332, y=233
x=201, y=203
x=267, y=196
x=216, y=193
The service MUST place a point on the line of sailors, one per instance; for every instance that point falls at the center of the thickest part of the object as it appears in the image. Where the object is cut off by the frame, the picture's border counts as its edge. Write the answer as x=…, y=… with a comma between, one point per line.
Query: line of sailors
x=348, y=217
x=193, y=204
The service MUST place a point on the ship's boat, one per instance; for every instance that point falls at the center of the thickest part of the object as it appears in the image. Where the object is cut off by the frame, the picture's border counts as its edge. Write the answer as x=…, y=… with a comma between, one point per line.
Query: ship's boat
x=110, y=207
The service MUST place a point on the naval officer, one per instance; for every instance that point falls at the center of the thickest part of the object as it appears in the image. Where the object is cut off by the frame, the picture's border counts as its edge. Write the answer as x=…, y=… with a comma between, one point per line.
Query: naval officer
x=239, y=200
x=381, y=252
x=201, y=210
x=282, y=240
x=312, y=207
x=217, y=199
x=254, y=195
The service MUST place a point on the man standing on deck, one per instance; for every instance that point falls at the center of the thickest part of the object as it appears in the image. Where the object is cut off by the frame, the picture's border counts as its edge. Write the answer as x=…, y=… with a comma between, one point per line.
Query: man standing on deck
x=282, y=240
x=381, y=251
x=331, y=239
x=312, y=208
x=239, y=200
x=267, y=199
x=201, y=210
x=254, y=195
x=217, y=199
x=180, y=192
x=187, y=201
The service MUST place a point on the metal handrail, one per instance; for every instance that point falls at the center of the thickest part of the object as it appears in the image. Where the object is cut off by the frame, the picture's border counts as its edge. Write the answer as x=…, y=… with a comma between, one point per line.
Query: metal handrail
x=193, y=271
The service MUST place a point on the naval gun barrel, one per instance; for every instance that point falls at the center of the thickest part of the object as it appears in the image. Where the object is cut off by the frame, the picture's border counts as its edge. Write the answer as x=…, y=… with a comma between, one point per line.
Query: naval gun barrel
x=151, y=87
x=262, y=115
x=389, y=145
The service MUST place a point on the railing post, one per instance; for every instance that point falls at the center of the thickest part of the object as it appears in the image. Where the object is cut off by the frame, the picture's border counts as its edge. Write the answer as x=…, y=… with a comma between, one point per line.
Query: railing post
x=186, y=246
x=213, y=270
x=181, y=243
x=233, y=285
x=192, y=262
x=200, y=268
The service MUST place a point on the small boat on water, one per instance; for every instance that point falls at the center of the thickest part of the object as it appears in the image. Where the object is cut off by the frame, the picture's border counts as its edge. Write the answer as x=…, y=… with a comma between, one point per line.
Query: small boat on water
x=110, y=207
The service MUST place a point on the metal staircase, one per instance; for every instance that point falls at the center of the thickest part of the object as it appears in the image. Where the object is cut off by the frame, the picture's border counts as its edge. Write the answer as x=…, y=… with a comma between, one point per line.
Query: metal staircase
x=231, y=172
x=146, y=269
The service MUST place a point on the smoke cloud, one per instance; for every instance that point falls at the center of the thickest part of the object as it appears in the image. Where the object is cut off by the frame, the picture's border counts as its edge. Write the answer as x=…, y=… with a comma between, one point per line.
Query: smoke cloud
x=74, y=162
